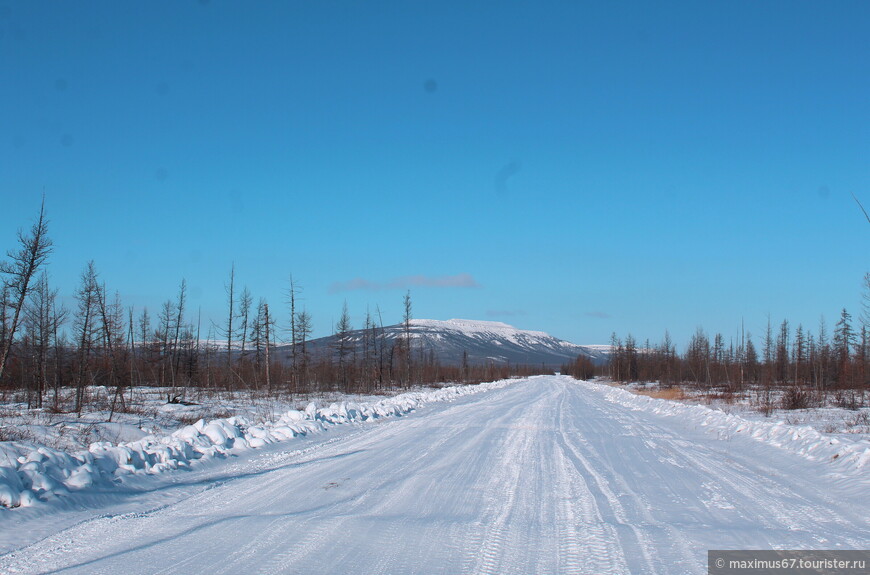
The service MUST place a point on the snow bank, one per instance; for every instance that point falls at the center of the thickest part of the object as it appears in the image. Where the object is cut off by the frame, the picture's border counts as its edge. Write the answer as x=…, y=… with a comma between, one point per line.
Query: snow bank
x=845, y=454
x=30, y=473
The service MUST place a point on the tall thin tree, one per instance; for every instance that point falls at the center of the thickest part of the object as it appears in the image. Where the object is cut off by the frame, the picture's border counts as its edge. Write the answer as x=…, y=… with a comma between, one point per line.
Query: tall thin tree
x=19, y=271
x=407, y=316
x=343, y=344
x=231, y=300
x=267, y=327
x=294, y=337
x=85, y=328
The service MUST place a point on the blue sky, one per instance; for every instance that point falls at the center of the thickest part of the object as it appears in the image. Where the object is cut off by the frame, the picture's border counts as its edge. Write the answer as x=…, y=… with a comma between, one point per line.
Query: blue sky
x=573, y=167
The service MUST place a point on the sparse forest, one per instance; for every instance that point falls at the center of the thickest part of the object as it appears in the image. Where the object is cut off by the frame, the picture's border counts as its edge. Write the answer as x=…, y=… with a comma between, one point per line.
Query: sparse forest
x=54, y=357
x=791, y=367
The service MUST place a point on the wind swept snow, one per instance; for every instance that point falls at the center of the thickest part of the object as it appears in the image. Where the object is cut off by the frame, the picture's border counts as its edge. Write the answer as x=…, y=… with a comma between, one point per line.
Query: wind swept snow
x=545, y=475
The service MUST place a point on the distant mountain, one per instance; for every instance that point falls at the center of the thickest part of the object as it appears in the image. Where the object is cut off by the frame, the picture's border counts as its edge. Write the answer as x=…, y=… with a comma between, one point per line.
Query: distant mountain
x=483, y=341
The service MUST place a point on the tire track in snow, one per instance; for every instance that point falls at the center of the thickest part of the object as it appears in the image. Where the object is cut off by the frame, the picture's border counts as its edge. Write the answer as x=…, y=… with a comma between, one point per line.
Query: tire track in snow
x=624, y=538
x=500, y=497
x=585, y=542
x=765, y=494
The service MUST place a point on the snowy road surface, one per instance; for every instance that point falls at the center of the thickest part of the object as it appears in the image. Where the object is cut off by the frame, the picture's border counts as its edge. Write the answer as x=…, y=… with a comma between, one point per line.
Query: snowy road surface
x=542, y=476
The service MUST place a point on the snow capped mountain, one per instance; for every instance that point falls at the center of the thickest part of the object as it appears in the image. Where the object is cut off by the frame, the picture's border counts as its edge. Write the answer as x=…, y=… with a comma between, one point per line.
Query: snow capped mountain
x=482, y=341
x=475, y=328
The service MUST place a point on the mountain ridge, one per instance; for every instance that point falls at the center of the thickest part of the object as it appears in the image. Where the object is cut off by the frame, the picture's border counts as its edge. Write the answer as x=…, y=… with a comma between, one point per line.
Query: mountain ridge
x=453, y=341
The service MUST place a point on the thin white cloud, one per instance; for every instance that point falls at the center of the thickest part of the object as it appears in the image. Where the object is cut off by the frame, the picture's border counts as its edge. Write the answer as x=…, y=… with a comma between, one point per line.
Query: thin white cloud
x=353, y=285
x=405, y=282
x=505, y=312
x=598, y=314
x=459, y=280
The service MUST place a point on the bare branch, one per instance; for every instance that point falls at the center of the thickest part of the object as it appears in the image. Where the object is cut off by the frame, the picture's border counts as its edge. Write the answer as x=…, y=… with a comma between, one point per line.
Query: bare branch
x=860, y=206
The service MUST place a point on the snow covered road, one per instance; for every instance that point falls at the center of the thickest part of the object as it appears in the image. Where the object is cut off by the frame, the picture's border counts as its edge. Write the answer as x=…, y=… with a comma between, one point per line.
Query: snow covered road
x=542, y=476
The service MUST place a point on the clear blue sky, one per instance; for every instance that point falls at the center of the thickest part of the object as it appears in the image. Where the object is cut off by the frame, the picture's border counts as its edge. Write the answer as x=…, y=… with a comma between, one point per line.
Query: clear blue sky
x=573, y=167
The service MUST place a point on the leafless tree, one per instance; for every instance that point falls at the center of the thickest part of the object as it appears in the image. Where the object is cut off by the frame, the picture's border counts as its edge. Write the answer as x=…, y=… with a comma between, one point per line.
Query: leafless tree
x=229, y=331
x=38, y=324
x=343, y=343
x=267, y=330
x=407, y=316
x=59, y=315
x=85, y=328
x=258, y=338
x=146, y=348
x=4, y=316
x=303, y=332
x=865, y=301
x=844, y=341
x=866, y=215
x=245, y=302
x=112, y=334
x=294, y=336
x=164, y=339
x=179, y=321
x=370, y=342
x=19, y=271
x=382, y=348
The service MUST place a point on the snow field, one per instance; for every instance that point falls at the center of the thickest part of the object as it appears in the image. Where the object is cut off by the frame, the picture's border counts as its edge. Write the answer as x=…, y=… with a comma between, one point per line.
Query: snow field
x=846, y=454
x=547, y=475
x=31, y=473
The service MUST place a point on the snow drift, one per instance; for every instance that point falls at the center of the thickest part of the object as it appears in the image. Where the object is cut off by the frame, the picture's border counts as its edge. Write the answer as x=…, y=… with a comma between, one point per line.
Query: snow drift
x=30, y=473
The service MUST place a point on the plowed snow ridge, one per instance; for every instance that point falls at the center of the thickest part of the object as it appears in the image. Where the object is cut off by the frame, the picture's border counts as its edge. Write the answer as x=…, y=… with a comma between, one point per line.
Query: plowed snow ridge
x=30, y=473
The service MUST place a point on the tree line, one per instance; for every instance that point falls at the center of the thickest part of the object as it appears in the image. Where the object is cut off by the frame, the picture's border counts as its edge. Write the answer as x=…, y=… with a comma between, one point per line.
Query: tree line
x=807, y=366
x=55, y=357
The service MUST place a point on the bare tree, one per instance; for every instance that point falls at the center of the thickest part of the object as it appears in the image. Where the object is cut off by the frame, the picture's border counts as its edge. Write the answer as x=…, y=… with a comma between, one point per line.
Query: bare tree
x=179, y=320
x=38, y=319
x=164, y=339
x=245, y=302
x=822, y=360
x=844, y=341
x=146, y=342
x=59, y=315
x=132, y=354
x=34, y=249
x=750, y=360
x=229, y=333
x=406, y=322
x=4, y=316
x=85, y=327
x=267, y=322
x=369, y=340
x=258, y=338
x=294, y=359
x=866, y=215
x=865, y=301
x=768, y=353
x=343, y=343
x=781, y=359
x=382, y=348
x=113, y=331
x=303, y=331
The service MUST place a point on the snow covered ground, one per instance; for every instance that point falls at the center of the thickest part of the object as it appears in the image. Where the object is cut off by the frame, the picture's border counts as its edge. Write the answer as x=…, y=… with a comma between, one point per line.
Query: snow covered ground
x=546, y=475
x=66, y=452
x=827, y=417
x=150, y=414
